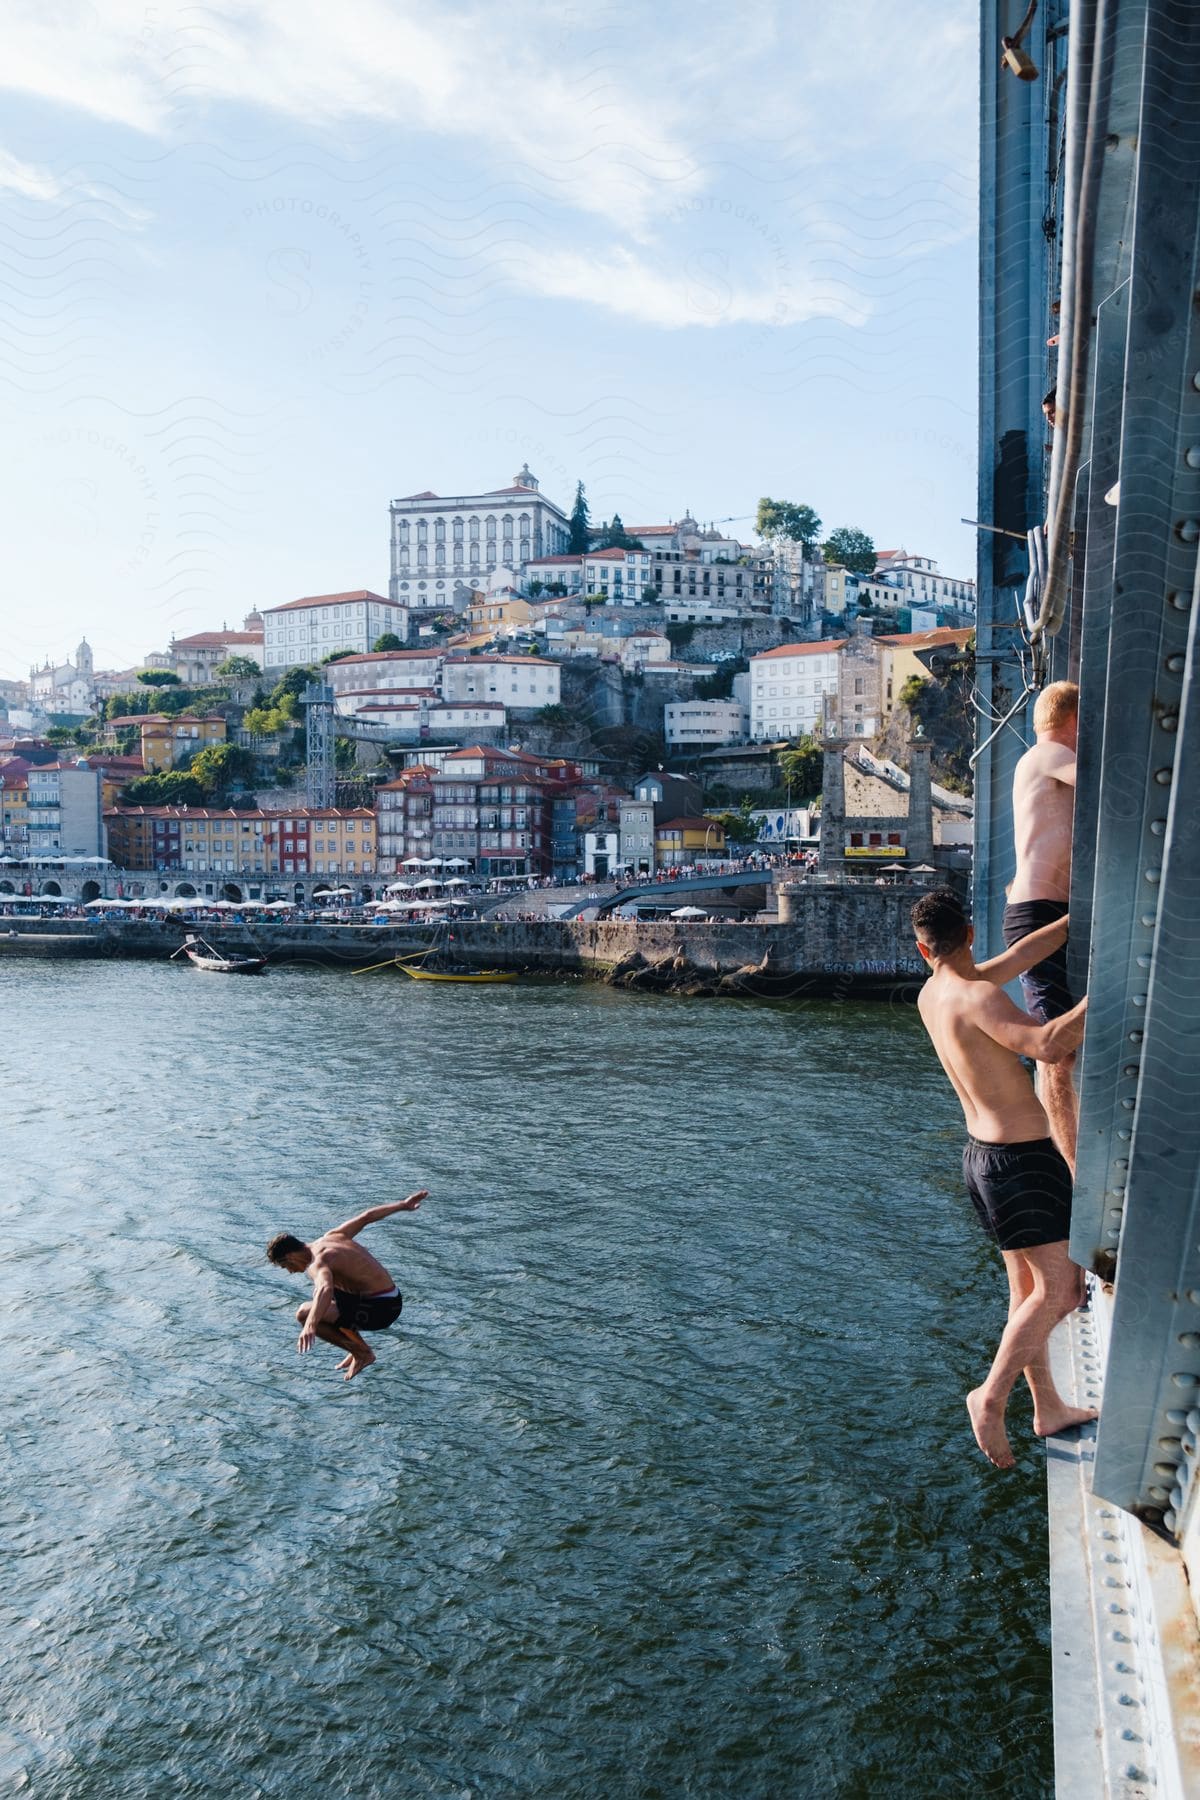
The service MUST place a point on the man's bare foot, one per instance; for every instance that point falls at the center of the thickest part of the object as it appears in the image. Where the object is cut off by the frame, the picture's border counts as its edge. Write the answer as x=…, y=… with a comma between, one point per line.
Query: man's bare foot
x=987, y=1422
x=1061, y=1418
x=359, y=1363
x=346, y=1361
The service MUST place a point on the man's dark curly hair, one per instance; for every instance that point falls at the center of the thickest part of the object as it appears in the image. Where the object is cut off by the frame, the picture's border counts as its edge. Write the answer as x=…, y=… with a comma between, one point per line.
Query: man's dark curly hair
x=940, y=922
x=283, y=1245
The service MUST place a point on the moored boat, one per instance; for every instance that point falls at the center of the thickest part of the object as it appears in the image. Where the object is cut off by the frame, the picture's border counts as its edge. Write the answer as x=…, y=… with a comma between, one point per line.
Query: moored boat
x=201, y=955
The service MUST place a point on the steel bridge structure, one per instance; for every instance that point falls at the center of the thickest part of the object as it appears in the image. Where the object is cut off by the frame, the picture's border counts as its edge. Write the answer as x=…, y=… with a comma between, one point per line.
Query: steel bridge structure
x=1090, y=198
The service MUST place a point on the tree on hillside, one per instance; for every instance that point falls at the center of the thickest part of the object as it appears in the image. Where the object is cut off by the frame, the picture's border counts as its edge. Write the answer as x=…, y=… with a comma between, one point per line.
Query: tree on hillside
x=740, y=826
x=850, y=548
x=238, y=668
x=221, y=767
x=802, y=766
x=581, y=524
x=615, y=537
x=942, y=706
x=778, y=519
x=158, y=677
x=336, y=656
x=388, y=641
x=172, y=788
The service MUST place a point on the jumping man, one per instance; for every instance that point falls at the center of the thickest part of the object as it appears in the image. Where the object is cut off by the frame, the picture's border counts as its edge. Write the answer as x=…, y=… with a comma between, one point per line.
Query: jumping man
x=1017, y=1179
x=352, y=1291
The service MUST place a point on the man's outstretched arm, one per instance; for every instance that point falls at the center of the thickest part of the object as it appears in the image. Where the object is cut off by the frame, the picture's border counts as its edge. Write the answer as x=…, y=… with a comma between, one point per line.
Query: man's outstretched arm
x=1026, y=953
x=1007, y=1025
x=352, y=1227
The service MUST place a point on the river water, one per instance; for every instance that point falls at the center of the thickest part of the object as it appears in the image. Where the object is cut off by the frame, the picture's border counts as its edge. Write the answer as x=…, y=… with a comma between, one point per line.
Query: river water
x=663, y=1484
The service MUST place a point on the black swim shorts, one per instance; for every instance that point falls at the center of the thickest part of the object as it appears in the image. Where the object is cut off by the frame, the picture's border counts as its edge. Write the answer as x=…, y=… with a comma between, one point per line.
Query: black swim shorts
x=1047, y=995
x=367, y=1312
x=1021, y=1192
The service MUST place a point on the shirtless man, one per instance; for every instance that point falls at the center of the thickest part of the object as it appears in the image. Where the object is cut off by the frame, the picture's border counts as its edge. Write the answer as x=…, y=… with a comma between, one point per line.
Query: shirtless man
x=1043, y=814
x=352, y=1291
x=1018, y=1182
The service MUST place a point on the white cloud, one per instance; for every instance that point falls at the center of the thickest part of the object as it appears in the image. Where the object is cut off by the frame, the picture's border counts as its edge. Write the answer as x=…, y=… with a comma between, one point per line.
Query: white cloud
x=23, y=178
x=701, y=288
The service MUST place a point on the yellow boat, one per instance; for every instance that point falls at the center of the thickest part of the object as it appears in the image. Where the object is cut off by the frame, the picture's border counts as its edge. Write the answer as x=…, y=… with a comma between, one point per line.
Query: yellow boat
x=467, y=975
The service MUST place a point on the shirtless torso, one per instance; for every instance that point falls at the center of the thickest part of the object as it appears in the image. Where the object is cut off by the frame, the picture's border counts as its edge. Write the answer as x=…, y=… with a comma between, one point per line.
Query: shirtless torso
x=353, y=1268
x=961, y=1013
x=1043, y=817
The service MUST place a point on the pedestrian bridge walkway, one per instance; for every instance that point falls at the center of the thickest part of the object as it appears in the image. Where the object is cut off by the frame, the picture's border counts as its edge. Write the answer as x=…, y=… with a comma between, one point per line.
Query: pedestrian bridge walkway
x=665, y=891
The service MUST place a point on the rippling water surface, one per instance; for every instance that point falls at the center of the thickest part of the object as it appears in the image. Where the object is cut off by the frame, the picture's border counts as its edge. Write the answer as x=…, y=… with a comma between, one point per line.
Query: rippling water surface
x=662, y=1486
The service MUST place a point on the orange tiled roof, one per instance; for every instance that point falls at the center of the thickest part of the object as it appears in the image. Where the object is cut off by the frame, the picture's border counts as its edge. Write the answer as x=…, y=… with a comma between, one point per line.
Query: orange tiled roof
x=821, y=648
x=334, y=600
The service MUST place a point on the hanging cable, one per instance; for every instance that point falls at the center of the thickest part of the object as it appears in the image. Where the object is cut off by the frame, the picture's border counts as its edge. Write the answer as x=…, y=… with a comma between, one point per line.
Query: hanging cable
x=1089, y=86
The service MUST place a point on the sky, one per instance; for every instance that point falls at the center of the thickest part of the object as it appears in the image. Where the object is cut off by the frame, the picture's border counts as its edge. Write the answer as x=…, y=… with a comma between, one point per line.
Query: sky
x=268, y=266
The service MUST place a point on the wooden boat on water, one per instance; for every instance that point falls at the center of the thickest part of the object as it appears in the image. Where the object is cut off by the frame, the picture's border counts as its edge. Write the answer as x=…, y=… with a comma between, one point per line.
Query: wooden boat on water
x=471, y=975
x=201, y=955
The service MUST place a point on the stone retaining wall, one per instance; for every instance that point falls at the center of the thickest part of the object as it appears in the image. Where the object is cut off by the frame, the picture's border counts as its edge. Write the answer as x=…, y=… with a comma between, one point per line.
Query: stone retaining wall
x=839, y=942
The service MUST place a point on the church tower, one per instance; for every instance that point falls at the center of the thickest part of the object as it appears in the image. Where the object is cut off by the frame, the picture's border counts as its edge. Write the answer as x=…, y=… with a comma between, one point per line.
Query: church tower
x=84, y=664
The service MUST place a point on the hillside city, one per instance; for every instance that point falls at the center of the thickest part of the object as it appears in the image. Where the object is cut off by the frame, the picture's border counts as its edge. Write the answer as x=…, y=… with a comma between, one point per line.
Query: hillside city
x=536, y=697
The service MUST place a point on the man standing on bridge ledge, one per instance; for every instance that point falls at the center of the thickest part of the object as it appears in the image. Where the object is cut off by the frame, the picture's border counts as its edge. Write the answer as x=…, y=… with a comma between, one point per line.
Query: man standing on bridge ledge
x=1043, y=819
x=1017, y=1180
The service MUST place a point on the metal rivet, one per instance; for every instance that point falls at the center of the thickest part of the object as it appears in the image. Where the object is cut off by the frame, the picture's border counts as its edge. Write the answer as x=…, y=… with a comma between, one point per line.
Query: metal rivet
x=1128, y=1700
x=1124, y=1133
x=1175, y=663
x=1153, y=876
x=1193, y=1294
x=1157, y=827
x=1149, y=920
x=1168, y=1443
x=1128, y=1105
x=1190, y=1340
x=1112, y=1237
x=1143, y=962
x=1139, y=999
x=1170, y=721
x=1131, y=1069
x=1180, y=601
x=1114, y=1212
x=1188, y=1446
x=1158, y=1493
x=1167, y=1470
x=1135, y=1037
x=1191, y=456
x=1163, y=777
x=1177, y=1497
x=1175, y=1417
x=1187, y=530
x=1184, y=1380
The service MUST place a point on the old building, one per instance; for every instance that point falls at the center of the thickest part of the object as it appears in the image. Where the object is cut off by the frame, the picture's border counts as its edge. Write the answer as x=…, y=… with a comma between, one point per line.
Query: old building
x=789, y=686
x=511, y=681
x=171, y=739
x=443, y=543
x=704, y=723
x=64, y=810
x=304, y=631
x=196, y=658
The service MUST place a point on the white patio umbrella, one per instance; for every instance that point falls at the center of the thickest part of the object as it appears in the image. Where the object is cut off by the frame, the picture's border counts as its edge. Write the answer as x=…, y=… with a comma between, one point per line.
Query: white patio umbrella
x=427, y=883
x=457, y=862
x=457, y=881
x=689, y=912
x=412, y=862
x=432, y=862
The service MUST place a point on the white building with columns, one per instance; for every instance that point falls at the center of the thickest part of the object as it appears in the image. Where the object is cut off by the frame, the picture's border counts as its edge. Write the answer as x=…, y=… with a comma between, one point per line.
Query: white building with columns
x=444, y=544
x=64, y=687
x=529, y=681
